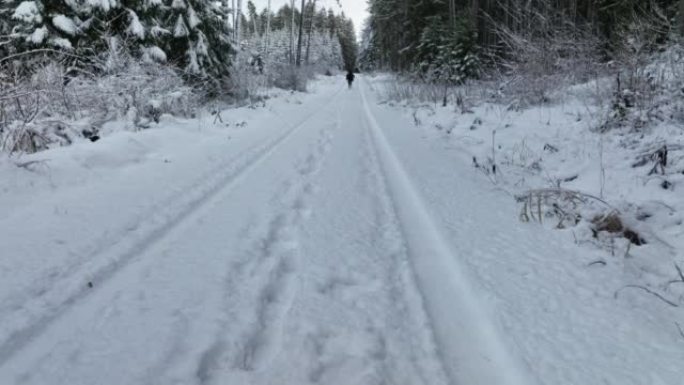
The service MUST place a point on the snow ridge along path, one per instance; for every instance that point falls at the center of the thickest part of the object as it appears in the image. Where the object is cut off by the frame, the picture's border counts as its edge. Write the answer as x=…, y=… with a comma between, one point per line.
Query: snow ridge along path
x=468, y=342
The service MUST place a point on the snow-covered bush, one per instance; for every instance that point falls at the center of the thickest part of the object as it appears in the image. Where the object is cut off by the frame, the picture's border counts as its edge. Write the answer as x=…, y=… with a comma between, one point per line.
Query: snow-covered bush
x=447, y=55
x=408, y=89
x=649, y=77
x=289, y=77
x=55, y=105
x=551, y=55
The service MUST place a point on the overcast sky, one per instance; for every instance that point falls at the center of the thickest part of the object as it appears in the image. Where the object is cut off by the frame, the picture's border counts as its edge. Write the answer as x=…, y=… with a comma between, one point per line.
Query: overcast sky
x=356, y=9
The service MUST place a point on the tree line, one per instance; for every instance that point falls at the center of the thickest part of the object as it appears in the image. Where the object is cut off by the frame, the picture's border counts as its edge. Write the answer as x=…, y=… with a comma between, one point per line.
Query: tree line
x=299, y=37
x=199, y=37
x=451, y=38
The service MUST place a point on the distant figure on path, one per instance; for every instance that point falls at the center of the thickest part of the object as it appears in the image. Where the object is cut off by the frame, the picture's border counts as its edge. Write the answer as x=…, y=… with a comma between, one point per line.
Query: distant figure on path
x=350, y=78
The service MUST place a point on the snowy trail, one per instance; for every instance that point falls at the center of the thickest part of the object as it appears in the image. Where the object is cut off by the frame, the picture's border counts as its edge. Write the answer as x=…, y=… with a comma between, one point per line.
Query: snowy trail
x=48, y=298
x=166, y=276
x=469, y=343
x=336, y=250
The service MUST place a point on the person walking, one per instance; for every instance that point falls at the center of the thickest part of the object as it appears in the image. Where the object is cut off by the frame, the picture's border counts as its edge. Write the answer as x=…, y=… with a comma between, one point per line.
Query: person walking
x=350, y=78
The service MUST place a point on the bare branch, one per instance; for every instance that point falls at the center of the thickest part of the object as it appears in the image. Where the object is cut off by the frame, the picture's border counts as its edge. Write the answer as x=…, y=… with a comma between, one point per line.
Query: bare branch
x=649, y=291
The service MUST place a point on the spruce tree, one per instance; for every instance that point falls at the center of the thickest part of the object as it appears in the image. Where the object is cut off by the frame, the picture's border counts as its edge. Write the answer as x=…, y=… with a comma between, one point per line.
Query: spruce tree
x=199, y=41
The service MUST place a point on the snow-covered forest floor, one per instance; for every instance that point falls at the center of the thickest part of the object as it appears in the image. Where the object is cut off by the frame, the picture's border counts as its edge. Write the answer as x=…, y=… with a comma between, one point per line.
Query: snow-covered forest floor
x=616, y=190
x=340, y=237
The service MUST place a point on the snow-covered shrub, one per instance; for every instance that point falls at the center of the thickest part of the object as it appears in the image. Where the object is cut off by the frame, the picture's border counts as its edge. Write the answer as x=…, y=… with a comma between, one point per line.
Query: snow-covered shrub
x=290, y=77
x=55, y=105
x=567, y=208
x=408, y=89
x=549, y=56
x=146, y=88
x=649, y=77
x=248, y=78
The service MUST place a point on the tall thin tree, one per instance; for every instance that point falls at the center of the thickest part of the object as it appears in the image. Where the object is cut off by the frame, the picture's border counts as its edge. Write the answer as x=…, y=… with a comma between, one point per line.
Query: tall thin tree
x=234, y=14
x=681, y=17
x=267, y=32
x=292, y=32
x=238, y=18
x=301, y=32
x=311, y=27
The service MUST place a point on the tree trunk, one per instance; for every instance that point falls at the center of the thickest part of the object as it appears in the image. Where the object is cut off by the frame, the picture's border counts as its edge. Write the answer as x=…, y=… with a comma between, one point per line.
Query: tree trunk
x=301, y=31
x=292, y=31
x=681, y=17
x=474, y=12
x=234, y=12
x=238, y=18
x=311, y=26
x=452, y=13
x=267, y=32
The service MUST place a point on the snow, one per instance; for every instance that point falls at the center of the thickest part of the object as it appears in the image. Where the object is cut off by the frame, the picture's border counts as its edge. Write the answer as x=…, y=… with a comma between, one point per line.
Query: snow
x=193, y=65
x=157, y=31
x=560, y=295
x=135, y=28
x=27, y=11
x=65, y=24
x=153, y=3
x=104, y=5
x=201, y=46
x=60, y=42
x=321, y=238
x=155, y=53
x=472, y=350
x=178, y=4
x=39, y=35
x=193, y=20
x=180, y=30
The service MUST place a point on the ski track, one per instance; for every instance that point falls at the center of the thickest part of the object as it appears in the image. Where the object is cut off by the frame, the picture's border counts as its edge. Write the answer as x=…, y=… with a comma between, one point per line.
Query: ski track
x=63, y=290
x=470, y=348
x=265, y=276
x=404, y=292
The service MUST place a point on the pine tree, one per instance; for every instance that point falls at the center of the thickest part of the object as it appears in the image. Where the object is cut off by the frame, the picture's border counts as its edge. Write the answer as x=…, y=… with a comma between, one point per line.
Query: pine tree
x=253, y=18
x=347, y=38
x=199, y=39
x=447, y=55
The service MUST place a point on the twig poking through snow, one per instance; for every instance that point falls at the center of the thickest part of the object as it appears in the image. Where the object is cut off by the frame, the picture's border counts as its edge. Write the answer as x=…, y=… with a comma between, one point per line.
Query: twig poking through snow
x=681, y=332
x=28, y=165
x=679, y=270
x=644, y=288
x=680, y=273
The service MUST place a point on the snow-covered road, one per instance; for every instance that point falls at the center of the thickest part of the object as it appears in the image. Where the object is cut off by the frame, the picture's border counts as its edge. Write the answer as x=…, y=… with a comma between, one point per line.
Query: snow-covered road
x=328, y=243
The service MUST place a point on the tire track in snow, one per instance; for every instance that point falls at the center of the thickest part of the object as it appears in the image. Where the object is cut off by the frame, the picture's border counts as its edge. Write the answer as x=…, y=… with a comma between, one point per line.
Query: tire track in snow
x=272, y=260
x=29, y=319
x=471, y=350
